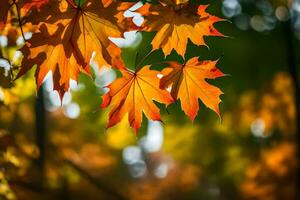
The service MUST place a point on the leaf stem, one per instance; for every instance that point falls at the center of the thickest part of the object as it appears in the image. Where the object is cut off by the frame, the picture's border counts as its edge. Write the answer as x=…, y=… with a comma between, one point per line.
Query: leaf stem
x=143, y=60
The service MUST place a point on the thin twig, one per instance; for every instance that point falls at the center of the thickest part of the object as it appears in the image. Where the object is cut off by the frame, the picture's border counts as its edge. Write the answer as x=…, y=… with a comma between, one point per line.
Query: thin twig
x=19, y=19
x=102, y=186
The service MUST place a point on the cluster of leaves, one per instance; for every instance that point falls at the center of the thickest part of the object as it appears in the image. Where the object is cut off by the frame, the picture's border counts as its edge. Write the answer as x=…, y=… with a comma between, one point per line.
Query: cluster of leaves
x=67, y=33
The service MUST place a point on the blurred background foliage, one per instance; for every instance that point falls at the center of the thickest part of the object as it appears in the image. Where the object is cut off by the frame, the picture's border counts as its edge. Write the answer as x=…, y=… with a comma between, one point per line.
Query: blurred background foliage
x=251, y=153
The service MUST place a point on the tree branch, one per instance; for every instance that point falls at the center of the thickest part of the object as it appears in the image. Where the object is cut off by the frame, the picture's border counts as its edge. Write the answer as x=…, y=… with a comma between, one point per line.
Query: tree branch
x=99, y=184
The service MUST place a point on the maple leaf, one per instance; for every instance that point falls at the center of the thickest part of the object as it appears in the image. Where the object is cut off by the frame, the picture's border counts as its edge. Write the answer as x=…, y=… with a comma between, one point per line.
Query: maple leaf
x=28, y=5
x=106, y=3
x=69, y=34
x=175, y=24
x=128, y=21
x=134, y=93
x=22, y=8
x=189, y=84
x=4, y=8
x=56, y=58
x=15, y=12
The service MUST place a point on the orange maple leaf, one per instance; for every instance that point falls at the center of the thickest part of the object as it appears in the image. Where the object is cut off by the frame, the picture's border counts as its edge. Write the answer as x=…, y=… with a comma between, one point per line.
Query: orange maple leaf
x=127, y=21
x=57, y=58
x=178, y=23
x=134, y=93
x=189, y=84
x=69, y=35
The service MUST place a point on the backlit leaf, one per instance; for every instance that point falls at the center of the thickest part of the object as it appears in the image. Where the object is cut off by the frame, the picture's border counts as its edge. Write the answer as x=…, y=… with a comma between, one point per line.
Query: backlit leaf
x=189, y=84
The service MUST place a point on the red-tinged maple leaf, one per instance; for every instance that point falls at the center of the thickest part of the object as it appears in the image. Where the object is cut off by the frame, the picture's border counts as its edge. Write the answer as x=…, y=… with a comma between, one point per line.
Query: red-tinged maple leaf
x=22, y=8
x=189, y=84
x=28, y=5
x=175, y=24
x=106, y=3
x=69, y=35
x=4, y=8
x=57, y=58
x=134, y=93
